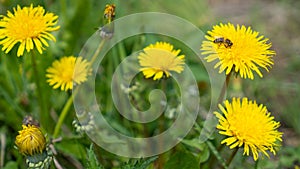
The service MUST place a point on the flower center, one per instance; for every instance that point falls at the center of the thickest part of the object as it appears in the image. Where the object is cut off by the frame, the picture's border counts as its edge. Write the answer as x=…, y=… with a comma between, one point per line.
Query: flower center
x=67, y=75
x=26, y=25
x=162, y=59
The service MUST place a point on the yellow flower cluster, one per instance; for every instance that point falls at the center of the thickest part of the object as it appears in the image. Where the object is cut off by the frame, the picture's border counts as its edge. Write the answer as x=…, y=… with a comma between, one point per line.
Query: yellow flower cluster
x=240, y=50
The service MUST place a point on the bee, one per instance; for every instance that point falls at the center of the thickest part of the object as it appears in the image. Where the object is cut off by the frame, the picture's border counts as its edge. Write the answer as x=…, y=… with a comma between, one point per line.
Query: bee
x=221, y=40
x=28, y=120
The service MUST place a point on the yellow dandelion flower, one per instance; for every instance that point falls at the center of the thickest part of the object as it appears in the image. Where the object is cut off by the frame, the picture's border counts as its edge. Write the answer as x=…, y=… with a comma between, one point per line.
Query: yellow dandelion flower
x=66, y=71
x=30, y=140
x=250, y=125
x=30, y=26
x=238, y=49
x=160, y=59
x=109, y=12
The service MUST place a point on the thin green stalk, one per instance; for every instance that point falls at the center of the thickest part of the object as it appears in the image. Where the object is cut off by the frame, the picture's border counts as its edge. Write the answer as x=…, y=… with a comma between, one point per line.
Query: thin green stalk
x=97, y=52
x=62, y=116
x=256, y=164
x=216, y=154
x=67, y=106
x=161, y=123
x=224, y=88
x=161, y=160
x=229, y=160
x=220, y=100
x=43, y=110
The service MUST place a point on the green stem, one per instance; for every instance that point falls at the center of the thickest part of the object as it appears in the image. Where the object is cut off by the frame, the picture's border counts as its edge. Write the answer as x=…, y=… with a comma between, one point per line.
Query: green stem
x=220, y=100
x=161, y=123
x=43, y=110
x=224, y=88
x=97, y=53
x=216, y=154
x=231, y=157
x=256, y=164
x=62, y=116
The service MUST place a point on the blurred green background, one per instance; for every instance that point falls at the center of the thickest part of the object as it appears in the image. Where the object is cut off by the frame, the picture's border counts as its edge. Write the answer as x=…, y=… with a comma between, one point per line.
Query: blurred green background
x=279, y=90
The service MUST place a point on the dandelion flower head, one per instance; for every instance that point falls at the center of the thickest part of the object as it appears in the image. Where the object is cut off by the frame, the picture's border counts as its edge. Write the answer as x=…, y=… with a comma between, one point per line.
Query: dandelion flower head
x=66, y=71
x=249, y=125
x=30, y=140
x=238, y=49
x=29, y=26
x=160, y=59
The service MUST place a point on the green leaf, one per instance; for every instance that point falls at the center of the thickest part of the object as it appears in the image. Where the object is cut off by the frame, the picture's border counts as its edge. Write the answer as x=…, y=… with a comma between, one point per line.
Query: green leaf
x=204, y=155
x=138, y=164
x=92, y=160
x=194, y=143
x=217, y=154
x=11, y=165
x=72, y=148
x=182, y=160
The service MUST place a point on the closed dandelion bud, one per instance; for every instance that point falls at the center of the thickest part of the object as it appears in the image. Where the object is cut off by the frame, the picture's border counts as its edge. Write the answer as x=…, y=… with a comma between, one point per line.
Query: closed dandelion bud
x=107, y=31
x=109, y=12
x=30, y=140
x=32, y=143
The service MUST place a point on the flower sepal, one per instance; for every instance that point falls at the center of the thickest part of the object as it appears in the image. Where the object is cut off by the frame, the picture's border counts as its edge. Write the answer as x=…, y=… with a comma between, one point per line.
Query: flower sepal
x=40, y=160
